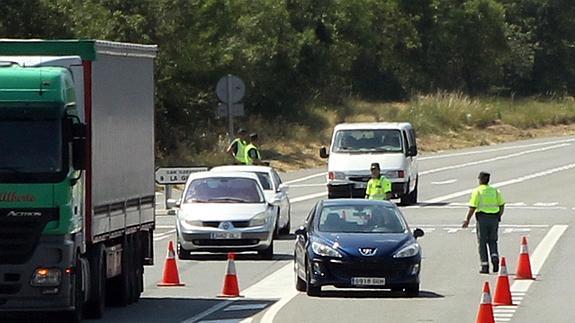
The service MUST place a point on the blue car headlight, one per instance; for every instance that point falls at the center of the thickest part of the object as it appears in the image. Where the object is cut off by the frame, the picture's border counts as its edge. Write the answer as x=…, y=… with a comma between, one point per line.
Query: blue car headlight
x=408, y=251
x=321, y=249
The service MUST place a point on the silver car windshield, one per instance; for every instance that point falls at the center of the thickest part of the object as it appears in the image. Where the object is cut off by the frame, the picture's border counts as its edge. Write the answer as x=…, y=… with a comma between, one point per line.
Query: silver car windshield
x=379, y=140
x=223, y=190
x=361, y=219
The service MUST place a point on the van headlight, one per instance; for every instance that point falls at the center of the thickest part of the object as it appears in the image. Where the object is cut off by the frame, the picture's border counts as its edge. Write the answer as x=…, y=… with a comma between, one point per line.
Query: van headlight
x=408, y=251
x=335, y=175
x=259, y=220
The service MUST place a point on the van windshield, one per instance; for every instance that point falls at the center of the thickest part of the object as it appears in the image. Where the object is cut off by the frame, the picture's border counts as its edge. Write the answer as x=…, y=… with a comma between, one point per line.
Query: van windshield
x=378, y=140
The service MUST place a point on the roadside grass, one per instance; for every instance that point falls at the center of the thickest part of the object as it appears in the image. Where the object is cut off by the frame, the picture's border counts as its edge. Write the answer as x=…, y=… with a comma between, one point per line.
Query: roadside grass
x=442, y=121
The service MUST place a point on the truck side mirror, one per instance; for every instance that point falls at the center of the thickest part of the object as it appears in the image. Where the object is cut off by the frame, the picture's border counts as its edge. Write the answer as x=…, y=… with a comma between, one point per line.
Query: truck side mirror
x=412, y=151
x=79, y=153
x=323, y=152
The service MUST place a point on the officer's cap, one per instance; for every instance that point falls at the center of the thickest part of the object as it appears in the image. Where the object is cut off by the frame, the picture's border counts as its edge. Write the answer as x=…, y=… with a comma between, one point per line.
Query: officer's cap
x=374, y=166
x=484, y=174
x=242, y=131
x=253, y=135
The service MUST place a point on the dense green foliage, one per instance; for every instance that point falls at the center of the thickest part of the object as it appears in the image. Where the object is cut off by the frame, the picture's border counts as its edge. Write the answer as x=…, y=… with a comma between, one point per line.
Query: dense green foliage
x=293, y=52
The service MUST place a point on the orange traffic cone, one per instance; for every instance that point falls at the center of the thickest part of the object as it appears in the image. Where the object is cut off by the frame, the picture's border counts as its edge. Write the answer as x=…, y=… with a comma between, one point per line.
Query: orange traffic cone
x=524, y=265
x=171, y=276
x=485, y=314
x=502, y=290
x=231, y=287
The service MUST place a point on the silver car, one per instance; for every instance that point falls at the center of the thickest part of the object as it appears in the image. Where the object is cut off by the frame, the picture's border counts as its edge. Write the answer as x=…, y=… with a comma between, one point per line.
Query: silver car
x=225, y=211
x=273, y=187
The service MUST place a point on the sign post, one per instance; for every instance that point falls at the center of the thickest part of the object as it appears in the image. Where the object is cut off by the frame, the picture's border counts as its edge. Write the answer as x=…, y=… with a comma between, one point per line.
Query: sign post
x=170, y=176
x=230, y=90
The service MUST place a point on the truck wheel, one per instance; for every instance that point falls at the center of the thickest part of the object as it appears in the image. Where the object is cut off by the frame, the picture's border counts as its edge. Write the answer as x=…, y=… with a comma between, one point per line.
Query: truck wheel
x=75, y=316
x=96, y=304
x=119, y=288
x=139, y=270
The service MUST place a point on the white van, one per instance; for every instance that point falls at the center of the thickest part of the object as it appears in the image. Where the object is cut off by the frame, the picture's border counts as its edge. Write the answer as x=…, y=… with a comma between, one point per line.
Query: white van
x=354, y=146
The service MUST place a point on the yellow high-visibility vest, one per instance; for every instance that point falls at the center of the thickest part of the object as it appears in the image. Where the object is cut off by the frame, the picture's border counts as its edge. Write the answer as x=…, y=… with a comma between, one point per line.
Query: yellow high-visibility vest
x=248, y=158
x=377, y=188
x=486, y=199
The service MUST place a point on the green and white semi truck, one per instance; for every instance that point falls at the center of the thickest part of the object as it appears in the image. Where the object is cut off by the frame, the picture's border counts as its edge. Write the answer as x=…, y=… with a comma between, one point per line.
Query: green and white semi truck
x=76, y=175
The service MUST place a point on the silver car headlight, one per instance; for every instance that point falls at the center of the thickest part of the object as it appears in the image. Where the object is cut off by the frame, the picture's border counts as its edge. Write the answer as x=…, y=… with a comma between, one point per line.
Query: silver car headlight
x=259, y=220
x=408, y=251
x=321, y=249
x=191, y=223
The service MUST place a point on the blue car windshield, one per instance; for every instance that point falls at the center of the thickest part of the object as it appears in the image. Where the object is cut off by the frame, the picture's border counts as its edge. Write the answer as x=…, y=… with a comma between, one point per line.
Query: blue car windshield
x=361, y=219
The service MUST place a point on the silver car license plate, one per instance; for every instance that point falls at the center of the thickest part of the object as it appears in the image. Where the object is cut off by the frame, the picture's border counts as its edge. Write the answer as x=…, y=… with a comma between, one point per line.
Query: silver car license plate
x=367, y=281
x=226, y=235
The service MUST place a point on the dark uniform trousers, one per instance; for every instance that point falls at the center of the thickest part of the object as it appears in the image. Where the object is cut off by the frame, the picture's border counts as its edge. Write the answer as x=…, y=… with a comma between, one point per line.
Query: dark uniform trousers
x=487, y=227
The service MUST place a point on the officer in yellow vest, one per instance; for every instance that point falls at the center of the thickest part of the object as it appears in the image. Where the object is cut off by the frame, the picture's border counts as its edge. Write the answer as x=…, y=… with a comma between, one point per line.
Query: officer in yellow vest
x=252, y=154
x=488, y=205
x=379, y=186
x=237, y=147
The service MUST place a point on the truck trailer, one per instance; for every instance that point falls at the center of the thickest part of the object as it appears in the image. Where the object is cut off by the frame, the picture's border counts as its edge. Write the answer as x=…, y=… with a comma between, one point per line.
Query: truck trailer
x=77, y=201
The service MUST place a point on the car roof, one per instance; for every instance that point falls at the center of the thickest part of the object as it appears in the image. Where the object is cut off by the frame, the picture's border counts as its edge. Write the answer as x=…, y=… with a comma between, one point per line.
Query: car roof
x=373, y=125
x=354, y=202
x=241, y=168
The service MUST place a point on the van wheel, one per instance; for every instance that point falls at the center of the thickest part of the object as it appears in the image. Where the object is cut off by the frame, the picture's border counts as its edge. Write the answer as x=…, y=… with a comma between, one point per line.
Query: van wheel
x=410, y=198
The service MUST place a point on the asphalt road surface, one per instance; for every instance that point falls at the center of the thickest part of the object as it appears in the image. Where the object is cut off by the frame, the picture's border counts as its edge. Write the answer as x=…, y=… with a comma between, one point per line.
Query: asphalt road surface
x=537, y=178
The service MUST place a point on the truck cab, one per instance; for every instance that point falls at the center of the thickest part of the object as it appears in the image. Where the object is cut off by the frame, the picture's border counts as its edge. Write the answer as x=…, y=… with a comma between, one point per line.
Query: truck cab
x=76, y=175
x=354, y=146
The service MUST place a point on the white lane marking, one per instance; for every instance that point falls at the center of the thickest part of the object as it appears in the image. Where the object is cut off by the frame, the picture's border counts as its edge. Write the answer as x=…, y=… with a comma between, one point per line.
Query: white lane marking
x=477, y=162
x=463, y=206
x=306, y=178
x=280, y=285
x=308, y=185
x=449, y=181
x=164, y=235
x=208, y=312
x=505, y=183
x=510, y=230
x=515, y=204
x=165, y=226
x=307, y=197
x=545, y=204
x=245, y=307
x=474, y=152
x=222, y=321
x=520, y=287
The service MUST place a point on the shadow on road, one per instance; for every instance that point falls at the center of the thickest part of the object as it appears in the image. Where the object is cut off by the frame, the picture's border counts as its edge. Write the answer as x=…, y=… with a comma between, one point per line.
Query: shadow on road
x=239, y=257
x=290, y=236
x=375, y=294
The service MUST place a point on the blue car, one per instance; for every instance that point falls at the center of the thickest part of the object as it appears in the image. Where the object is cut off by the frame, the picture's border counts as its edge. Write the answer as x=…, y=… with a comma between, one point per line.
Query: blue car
x=352, y=243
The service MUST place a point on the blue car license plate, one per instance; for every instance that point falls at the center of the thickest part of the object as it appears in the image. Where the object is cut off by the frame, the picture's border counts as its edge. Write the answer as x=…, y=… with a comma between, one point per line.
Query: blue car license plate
x=367, y=281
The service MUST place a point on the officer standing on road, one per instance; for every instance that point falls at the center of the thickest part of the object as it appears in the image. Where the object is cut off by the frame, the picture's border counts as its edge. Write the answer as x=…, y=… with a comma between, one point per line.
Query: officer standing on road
x=488, y=205
x=379, y=186
x=238, y=145
x=252, y=154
